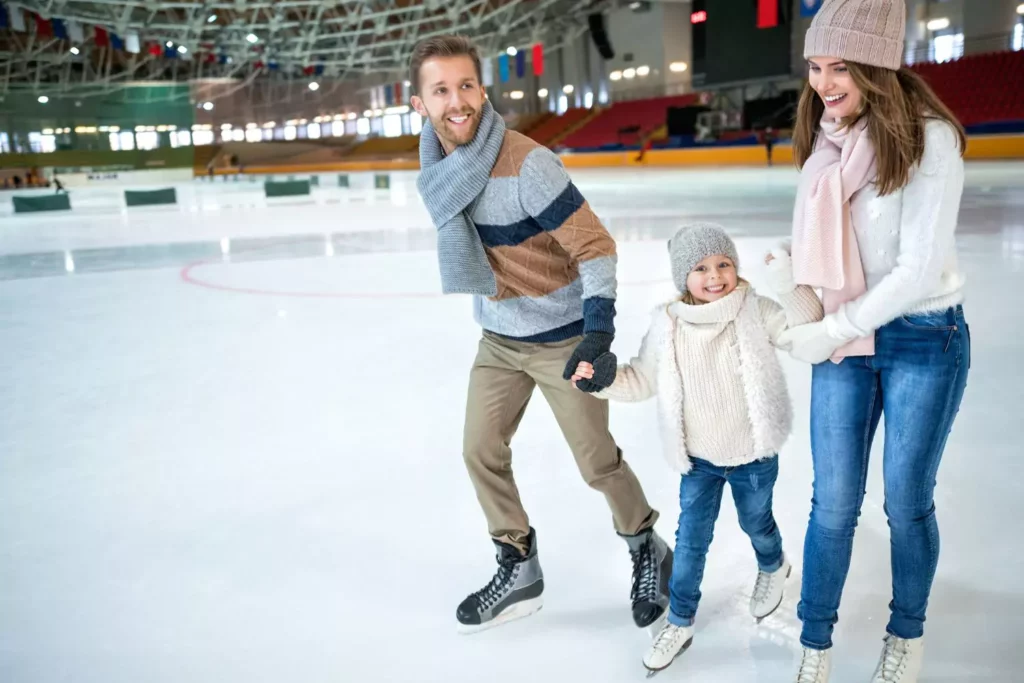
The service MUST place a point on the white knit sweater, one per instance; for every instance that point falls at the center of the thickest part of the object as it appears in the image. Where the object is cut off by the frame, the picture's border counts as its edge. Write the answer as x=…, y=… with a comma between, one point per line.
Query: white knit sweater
x=906, y=239
x=721, y=392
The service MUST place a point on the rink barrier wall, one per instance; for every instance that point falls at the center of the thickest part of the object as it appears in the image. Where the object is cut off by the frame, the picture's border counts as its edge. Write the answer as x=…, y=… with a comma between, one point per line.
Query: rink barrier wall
x=286, y=188
x=979, y=147
x=47, y=202
x=166, y=195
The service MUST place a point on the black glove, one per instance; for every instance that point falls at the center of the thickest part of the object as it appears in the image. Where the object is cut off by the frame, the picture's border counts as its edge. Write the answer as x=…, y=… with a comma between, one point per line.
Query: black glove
x=594, y=349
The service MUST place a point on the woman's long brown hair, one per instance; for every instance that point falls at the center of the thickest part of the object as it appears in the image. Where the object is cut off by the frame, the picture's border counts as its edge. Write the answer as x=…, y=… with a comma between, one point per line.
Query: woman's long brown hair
x=897, y=105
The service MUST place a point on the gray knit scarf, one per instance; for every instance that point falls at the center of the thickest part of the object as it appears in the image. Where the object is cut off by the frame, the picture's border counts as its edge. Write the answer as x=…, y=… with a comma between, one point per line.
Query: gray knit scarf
x=448, y=185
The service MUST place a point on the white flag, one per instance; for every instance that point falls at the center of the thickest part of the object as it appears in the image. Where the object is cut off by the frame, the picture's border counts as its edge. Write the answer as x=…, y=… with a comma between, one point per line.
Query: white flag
x=75, y=32
x=131, y=43
x=17, y=18
x=487, y=66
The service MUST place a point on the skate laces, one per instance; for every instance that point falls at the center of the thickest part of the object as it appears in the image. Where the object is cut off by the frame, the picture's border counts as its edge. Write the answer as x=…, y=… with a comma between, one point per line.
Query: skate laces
x=893, y=657
x=644, y=584
x=666, y=638
x=493, y=591
x=810, y=666
x=763, y=586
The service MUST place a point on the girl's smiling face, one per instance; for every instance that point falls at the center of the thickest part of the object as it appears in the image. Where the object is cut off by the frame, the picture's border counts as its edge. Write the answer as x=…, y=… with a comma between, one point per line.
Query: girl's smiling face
x=712, y=279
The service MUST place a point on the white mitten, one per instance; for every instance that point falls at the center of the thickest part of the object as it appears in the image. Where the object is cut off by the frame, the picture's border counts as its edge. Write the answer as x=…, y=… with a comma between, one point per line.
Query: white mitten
x=816, y=342
x=780, y=271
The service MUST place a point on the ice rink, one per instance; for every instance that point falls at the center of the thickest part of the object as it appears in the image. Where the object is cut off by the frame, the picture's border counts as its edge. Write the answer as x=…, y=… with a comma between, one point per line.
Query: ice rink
x=230, y=451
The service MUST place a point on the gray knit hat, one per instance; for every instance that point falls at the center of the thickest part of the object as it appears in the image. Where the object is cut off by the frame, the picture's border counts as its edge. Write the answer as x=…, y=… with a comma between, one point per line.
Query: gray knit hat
x=863, y=31
x=693, y=243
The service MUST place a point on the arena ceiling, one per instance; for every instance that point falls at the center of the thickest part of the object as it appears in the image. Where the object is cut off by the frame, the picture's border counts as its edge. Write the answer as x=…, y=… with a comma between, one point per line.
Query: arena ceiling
x=181, y=41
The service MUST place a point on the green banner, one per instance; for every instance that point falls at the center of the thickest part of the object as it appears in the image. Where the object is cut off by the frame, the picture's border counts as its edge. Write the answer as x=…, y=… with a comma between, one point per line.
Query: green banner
x=150, y=197
x=49, y=202
x=288, y=188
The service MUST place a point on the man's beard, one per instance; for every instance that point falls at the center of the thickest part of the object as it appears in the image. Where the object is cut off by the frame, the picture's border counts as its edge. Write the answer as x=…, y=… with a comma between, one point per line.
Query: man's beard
x=457, y=135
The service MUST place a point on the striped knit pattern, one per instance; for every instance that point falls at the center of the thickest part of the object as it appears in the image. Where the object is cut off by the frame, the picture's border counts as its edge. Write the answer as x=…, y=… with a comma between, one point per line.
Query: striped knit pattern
x=553, y=260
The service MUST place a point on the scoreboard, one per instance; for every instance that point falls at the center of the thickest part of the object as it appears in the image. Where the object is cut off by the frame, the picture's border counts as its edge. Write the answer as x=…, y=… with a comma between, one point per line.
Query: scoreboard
x=739, y=40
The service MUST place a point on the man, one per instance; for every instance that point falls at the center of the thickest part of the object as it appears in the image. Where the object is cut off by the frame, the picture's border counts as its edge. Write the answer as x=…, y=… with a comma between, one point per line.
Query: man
x=514, y=231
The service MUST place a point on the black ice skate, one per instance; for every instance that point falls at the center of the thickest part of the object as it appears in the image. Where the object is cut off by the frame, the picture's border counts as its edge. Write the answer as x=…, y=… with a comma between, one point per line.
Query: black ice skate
x=513, y=593
x=652, y=568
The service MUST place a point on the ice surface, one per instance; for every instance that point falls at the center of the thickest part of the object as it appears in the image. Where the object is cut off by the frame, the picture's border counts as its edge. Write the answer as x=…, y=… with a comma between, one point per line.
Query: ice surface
x=230, y=452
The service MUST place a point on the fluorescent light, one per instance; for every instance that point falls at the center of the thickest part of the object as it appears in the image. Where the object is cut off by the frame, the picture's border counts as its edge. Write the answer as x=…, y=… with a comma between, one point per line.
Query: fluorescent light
x=182, y=49
x=42, y=99
x=269, y=124
x=678, y=67
x=169, y=43
x=47, y=131
x=252, y=38
x=568, y=89
x=250, y=126
x=212, y=18
x=643, y=71
x=208, y=106
x=75, y=51
x=516, y=94
x=615, y=75
x=511, y=51
x=629, y=73
x=1020, y=8
x=938, y=24
x=314, y=86
x=225, y=126
x=543, y=92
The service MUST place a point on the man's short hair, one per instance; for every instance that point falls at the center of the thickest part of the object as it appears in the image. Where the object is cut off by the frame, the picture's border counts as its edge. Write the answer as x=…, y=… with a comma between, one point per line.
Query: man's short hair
x=441, y=46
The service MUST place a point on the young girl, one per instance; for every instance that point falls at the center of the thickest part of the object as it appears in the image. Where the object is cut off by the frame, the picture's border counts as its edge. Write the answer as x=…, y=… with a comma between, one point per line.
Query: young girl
x=723, y=408
x=880, y=185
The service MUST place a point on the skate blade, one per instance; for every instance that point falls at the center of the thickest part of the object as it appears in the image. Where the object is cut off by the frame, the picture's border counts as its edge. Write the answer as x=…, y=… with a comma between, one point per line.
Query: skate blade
x=651, y=673
x=519, y=610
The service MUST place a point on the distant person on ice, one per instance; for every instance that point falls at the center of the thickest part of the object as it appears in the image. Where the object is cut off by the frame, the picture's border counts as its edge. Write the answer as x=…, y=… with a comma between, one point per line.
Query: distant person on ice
x=515, y=232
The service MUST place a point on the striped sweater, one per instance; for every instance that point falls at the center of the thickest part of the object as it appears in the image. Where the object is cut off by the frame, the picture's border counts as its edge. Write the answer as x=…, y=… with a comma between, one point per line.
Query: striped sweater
x=553, y=260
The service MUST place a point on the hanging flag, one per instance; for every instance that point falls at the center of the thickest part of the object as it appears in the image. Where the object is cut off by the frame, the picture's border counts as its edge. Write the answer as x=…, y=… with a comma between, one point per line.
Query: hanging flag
x=102, y=37
x=808, y=8
x=538, y=59
x=44, y=29
x=76, y=32
x=116, y=42
x=17, y=18
x=4, y=21
x=503, y=68
x=131, y=43
x=767, y=13
x=170, y=53
x=318, y=70
x=307, y=70
x=398, y=94
x=388, y=96
x=60, y=30
x=487, y=67
x=520, y=64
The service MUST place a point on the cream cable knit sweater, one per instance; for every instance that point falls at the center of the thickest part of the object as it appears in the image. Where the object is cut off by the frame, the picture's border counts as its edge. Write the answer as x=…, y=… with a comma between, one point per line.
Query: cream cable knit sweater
x=721, y=392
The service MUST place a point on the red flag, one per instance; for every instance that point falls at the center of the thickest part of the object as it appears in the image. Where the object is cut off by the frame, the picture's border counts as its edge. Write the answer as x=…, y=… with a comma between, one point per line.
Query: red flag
x=538, y=59
x=307, y=70
x=767, y=13
x=102, y=37
x=398, y=93
x=44, y=29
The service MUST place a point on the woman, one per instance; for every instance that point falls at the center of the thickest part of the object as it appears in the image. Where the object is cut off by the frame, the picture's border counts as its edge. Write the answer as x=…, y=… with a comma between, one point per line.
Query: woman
x=881, y=179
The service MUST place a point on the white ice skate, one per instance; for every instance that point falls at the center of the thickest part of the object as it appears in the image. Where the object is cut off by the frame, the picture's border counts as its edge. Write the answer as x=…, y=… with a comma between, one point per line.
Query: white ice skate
x=815, y=666
x=768, y=591
x=670, y=642
x=901, y=660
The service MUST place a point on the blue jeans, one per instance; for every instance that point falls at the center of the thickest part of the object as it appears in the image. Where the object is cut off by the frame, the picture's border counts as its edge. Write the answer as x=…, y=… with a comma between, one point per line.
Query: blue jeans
x=700, y=499
x=916, y=379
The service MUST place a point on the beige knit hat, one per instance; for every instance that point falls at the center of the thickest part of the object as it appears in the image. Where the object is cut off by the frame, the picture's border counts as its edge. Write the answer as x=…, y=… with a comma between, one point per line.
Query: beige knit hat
x=863, y=31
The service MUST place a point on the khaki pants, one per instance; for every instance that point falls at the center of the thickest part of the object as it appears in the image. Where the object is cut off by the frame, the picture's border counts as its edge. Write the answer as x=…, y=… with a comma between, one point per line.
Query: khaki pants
x=501, y=383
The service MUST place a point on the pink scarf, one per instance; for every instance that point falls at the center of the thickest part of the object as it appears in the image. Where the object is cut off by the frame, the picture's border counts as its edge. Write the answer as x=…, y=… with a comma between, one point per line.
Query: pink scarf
x=825, y=252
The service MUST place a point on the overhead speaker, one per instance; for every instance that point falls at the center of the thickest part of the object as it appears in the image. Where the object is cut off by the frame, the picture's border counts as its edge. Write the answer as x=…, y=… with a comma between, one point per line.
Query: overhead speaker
x=600, y=35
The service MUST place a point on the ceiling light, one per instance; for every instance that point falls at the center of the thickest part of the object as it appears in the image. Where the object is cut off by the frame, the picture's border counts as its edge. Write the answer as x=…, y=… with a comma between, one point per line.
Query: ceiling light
x=212, y=18
x=314, y=86
x=252, y=38
x=543, y=92
x=678, y=67
x=43, y=99
x=615, y=75
x=938, y=24
x=182, y=49
x=629, y=73
x=1020, y=8
x=511, y=51
x=516, y=94
x=568, y=89
x=643, y=71
x=75, y=51
x=169, y=43
x=269, y=124
x=208, y=106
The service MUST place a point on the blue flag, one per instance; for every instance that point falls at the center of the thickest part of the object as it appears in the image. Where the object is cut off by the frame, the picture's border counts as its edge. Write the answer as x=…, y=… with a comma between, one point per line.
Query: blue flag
x=808, y=8
x=503, y=68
